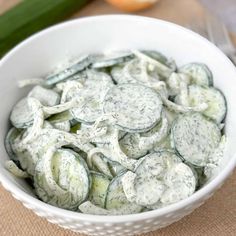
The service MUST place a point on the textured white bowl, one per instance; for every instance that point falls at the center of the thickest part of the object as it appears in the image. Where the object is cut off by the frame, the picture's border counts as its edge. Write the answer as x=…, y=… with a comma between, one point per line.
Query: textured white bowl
x=43, y=51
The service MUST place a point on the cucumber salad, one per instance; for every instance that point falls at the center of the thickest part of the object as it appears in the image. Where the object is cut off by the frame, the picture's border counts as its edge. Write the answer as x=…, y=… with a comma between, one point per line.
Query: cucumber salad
x=118, y=133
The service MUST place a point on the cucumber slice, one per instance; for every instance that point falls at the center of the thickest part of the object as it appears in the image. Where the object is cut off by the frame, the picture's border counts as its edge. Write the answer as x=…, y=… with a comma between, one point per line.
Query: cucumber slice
x=97, y=193
x=138, y=107
x=157, y=162
x=47, y=97
x=116, y=199
x=129, y=144
x=107, y=60
x=115, y=167
x=30, y=154
x=161, y=179
x=22, y=115
x=80, y=76
x=199, y=175
x=215, y=159
x=213, y=97
x=218, y=154
x=12, y=135
x=149, y=139
x=74, y=122
x=161, y=58
x=122, y=74
x=128, y=182
x=80, y=65
x=181, y=184
x=62, y=179
x=93, y=92
x=137, y=145
x=96, y=75
x=33, y=131
x=149, y=184
x=195, y=138
x=199, y=73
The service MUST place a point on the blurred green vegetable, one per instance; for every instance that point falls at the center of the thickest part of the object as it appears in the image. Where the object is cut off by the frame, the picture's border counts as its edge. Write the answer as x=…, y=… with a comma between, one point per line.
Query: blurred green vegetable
x=30, y=16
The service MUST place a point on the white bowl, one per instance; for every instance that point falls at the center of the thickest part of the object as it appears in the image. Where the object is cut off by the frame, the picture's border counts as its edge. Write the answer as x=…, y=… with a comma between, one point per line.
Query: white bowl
x=43, y=51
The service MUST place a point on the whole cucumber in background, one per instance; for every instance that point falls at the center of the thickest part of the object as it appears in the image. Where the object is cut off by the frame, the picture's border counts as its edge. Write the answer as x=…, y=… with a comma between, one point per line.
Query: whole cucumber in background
x=30, y=16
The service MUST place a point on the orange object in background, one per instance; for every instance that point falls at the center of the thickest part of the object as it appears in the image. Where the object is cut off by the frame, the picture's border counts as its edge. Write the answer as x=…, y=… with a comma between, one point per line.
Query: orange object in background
x=132, y=5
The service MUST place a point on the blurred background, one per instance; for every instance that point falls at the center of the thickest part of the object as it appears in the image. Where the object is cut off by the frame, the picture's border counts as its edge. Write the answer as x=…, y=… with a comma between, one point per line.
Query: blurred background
x=214, y=19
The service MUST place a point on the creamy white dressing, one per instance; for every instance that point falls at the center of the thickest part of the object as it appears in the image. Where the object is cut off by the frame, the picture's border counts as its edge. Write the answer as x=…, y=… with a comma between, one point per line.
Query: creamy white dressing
x=215, y=159
x=69, y=89
x=180, y=182
x=130, y=145
x=147, y=142
x=138, y=108
x=197, y=140
x=133, y=118
x=47, y=97
x=160, y=179
x=65, y=178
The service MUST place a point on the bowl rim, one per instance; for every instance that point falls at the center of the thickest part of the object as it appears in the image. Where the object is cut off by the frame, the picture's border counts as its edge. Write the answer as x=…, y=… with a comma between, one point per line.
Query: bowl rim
x=205, y=191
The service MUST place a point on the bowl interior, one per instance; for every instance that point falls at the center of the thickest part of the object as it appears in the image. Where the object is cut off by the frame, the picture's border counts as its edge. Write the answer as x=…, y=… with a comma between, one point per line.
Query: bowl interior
x=43, y=52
